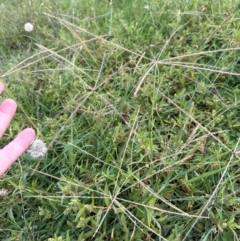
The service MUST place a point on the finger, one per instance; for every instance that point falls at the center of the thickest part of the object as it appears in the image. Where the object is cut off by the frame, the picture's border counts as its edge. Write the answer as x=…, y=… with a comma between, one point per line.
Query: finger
x=15, y=149
x=1, y=87
x=7, y=111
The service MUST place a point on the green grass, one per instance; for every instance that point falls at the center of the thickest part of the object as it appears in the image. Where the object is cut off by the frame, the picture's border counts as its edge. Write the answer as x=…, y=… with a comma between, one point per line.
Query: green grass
x=138, y=102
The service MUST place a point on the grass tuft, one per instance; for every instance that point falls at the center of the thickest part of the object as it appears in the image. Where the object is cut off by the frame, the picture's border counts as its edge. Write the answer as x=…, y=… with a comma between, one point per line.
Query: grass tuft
x=138, y=104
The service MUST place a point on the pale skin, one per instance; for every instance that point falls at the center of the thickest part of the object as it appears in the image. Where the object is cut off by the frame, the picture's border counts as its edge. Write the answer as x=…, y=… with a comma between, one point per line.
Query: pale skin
x=12, y=151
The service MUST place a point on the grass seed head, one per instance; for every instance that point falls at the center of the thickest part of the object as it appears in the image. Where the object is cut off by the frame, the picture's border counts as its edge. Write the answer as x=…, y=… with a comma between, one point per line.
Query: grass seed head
x=3, y=192
x=38, y=149
x=28, y=27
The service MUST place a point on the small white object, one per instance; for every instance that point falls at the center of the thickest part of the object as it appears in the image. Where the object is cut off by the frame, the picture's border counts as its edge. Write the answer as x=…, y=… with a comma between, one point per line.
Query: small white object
x=3, y=192
x=146, y=7
x=28, y=27
x=37, y=149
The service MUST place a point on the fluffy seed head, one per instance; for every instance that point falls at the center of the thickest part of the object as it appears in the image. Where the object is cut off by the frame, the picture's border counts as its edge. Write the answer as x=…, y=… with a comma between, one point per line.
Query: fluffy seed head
x=38, y=149
x=28, y=27
x=3, y=192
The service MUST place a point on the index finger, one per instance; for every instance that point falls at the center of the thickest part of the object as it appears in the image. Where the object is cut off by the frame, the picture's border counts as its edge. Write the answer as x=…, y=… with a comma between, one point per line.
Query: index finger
x=15, y=149
x=7, y=111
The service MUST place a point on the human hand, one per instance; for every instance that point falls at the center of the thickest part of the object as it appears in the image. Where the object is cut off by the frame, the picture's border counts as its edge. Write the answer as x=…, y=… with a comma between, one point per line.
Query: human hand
x=11, y=152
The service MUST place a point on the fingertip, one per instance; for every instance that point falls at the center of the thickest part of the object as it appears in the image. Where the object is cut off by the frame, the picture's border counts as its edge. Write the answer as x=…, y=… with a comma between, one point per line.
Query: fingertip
x=10, y=101
x=31, y=132
x=27, y=134
x=8, y=107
